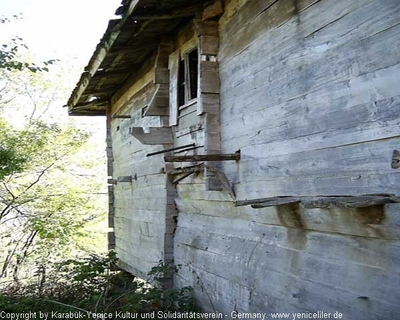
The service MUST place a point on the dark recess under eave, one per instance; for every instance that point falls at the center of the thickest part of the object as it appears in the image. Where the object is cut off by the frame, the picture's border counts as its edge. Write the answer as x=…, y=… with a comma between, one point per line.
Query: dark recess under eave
x=138, y=35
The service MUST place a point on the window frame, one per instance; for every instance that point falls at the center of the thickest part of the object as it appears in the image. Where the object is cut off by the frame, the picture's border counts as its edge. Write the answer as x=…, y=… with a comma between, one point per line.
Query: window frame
x=187, y=96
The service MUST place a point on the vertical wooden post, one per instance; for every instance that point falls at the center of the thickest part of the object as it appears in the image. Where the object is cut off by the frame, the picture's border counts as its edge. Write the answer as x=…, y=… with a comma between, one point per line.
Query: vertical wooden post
x=208, y=94
x=173, y=88
x=171, y=218
x=110, y=171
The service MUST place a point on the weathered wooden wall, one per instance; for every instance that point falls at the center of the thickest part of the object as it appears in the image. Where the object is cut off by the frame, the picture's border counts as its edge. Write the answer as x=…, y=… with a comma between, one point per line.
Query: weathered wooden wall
x=140, y=204
x=285, y=259
x=310, y=95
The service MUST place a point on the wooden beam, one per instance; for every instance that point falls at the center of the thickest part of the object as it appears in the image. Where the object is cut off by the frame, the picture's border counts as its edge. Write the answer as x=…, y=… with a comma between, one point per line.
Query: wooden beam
x=323, y=202
x=159, y=102
x=111, y=73
x=222, y=178
x=95, y=107
x=121, y=116
x=156, y=135
x=213, y=11
x=346, y=202
x=240, y=203
x=176, y=181
x=173, y=14
x=189, y=149
x=124, y=179
x=276, y=202
x=170, y=149
x=191, y=169
x=86, y=113
x=204, y=157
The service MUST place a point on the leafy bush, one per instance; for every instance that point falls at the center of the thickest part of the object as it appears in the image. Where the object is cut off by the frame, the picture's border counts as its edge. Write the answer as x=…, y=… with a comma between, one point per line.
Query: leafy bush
x=89, y=284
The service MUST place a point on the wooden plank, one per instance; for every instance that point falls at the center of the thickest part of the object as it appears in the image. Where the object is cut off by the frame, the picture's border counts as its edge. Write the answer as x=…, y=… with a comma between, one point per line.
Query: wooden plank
x=173, y=66
x=214, y=10
x=208, y=102
x=205, y=157
x=209, y=45
x=159, y=102
x=276, y=202
x=322, y=202
x=347, y=202
x=124, y=179
x=222, y=180
x=366, y=158
x=375, y=45
x=188, y=169
x=170, y=149
x=323, y=185
x=145, y=228
x=189, y=130
x=206, y=28
x=161, y=135
x=161, y=76
x=196, y=137
x=307, y=292
x=188, y=118
x=135, y=203
x=209, y=77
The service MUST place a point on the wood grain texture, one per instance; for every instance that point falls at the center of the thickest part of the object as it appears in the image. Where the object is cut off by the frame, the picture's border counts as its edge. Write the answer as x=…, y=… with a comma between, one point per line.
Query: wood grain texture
x=289, y=255
x=309, y=94
x=326, y=86
x=173, y=66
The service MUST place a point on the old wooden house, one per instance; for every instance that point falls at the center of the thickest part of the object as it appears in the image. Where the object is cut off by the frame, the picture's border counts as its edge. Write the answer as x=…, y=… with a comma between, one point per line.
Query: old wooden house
x=255, y=142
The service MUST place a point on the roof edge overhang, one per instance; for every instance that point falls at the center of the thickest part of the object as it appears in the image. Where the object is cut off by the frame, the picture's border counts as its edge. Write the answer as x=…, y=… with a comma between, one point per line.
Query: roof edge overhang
x=126, y=45
x=98, y=107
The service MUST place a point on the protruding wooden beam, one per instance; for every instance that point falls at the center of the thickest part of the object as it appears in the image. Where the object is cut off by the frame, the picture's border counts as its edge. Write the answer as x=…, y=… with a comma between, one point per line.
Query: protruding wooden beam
x=121, y=116
x=156, y=135
x=347, y=202
x=203, y=157
x=276, y=202
x=323, y=201
x=223, y=179
x=176, y=181
x=188, y=149
x=124, y=179
x=195, y=168
x=159, y=102
x=170, y=149
x=213, y=11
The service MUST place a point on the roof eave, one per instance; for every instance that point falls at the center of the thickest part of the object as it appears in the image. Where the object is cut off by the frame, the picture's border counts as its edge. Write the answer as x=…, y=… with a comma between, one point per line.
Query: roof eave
x=98, y=57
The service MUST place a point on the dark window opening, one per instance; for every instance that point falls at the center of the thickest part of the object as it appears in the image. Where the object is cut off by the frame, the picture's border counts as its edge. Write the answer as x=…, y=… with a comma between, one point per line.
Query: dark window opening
x=193, y=62
x=181, y=83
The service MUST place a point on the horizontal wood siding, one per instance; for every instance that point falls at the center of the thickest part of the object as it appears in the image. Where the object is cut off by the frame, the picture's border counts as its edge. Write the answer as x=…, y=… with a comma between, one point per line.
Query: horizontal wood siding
x=140, y=203
x=309, y=93
x=288, y=259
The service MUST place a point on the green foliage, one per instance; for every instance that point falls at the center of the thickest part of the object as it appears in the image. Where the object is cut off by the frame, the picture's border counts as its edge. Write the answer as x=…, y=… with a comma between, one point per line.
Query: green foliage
x=50, y=193
x=90, y=284
x=12, y=160
x=9, y=54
